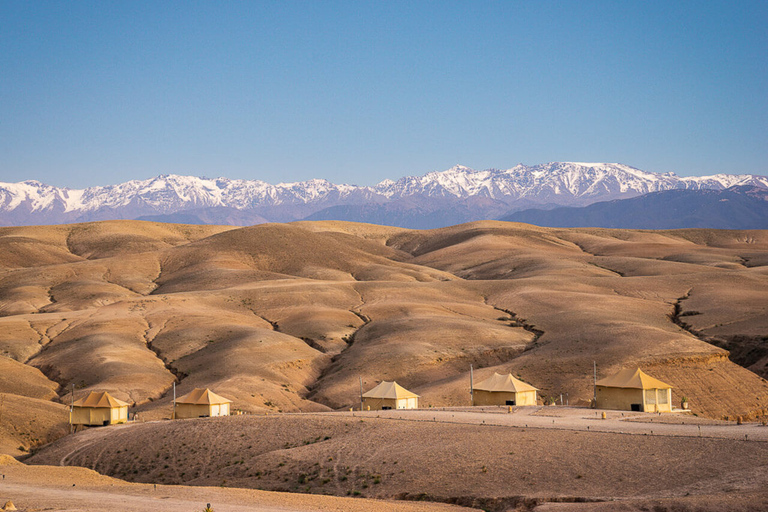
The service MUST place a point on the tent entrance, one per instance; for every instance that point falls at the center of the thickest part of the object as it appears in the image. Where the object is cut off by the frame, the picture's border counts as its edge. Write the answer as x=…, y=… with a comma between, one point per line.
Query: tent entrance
x=510, y=402
x=636, y=407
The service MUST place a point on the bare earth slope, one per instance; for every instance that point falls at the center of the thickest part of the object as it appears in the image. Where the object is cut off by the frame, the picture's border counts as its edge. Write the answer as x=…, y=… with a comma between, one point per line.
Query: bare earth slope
x=290, y=316
x=65, y=489
x=487, y=459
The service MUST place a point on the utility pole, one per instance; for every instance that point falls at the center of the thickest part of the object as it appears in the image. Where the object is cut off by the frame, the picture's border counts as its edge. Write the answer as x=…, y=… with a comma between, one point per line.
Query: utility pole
x=471, y=385
x=594, y=392
x=71, y=408
x=361, y=393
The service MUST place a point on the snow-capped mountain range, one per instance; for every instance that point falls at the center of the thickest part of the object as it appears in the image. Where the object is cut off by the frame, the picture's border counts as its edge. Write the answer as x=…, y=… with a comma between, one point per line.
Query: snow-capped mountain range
x=481, y=194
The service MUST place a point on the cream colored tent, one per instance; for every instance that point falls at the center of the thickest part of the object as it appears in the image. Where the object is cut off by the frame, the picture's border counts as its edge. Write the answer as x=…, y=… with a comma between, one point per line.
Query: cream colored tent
x=390, y=395
x=633, y=390
x=99, y=408
x=201, y=403
x=503, y=390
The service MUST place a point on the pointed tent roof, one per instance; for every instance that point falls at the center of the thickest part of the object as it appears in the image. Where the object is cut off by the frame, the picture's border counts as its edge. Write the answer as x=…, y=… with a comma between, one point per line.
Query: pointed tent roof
x=389, y=390
x=630, y=378
x=99, y=399
x=202, y=396
x=503, y=383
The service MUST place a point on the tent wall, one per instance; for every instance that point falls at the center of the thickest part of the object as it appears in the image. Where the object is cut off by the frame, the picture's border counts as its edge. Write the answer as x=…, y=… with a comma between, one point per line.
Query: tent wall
x=619, y=398
x=622, y=399
x=482, y=397
x=377, y=404
x=658, y=400
x=192, y=411
x=119, y=415
x=409, y=403
x=99, y=415
x=201, y=410
x=81, y=416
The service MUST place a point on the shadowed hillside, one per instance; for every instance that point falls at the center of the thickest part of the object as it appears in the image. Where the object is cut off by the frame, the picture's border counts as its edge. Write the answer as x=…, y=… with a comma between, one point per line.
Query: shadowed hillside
x=290, y=316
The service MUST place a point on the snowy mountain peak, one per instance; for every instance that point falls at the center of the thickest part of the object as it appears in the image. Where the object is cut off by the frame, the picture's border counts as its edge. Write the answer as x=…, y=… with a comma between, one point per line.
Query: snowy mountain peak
x=553, y=183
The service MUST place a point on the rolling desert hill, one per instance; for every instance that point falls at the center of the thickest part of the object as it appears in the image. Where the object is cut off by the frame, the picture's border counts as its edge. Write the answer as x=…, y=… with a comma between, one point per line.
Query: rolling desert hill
x=289, y=317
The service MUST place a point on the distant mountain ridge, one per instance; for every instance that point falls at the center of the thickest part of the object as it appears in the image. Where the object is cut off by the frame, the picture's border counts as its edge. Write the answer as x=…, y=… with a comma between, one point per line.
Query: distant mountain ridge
x=738, y=207
x=459, y=193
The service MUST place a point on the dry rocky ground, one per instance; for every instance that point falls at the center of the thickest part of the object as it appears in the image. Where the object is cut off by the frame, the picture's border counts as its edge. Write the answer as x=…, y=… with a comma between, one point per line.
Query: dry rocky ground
x=487, y=459
x=59, y=489
x=288, y=317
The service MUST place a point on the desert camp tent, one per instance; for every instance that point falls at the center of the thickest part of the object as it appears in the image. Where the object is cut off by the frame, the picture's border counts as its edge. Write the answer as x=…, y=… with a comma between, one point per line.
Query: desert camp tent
x=633, y=390
x=201, y=403
x=390, y=395
x=99, y=408
x=503, y=390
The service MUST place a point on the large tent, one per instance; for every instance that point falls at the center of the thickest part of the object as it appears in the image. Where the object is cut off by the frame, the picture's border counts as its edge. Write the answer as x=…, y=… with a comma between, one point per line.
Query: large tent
x=99, y=408
x=633, y=390
x=390, y=395
x=503, y=390
x=201, y=403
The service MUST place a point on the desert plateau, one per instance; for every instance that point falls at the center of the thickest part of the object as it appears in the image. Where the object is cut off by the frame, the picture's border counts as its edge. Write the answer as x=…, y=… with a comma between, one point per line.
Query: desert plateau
x=289, y=321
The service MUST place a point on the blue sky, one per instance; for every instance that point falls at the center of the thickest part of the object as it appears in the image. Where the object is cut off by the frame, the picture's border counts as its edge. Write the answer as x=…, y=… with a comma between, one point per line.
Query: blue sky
x=94, y=93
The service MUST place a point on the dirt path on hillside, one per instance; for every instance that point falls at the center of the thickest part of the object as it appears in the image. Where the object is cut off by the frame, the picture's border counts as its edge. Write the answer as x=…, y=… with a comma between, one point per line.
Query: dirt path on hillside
x=580, y=419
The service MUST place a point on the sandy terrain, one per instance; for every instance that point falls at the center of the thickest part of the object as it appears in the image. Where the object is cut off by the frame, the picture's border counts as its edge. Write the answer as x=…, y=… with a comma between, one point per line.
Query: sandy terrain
x=68, y=489
x=288, y=317
x=531, y=457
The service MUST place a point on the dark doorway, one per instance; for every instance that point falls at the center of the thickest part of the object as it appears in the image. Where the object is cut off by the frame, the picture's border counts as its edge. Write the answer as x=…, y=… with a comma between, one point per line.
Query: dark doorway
x=385, y=408
x=636, y=407
x=510, y=402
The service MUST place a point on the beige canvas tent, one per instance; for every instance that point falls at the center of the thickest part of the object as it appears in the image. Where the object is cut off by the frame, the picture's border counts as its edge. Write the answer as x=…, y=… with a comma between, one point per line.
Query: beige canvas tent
x=201, y=403
x=503, y=390
x=99, y=408
x=633, y=390
x=390, y=395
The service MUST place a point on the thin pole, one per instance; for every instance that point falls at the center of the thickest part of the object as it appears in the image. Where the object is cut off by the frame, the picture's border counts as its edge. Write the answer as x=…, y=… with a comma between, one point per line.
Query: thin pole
x=594, y=369
x=173, y=414
x=71, y=407
x=471, y=385
x=361, y=393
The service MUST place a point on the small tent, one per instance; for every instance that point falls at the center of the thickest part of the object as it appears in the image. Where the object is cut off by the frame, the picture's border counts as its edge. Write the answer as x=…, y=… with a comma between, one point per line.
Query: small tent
x=99, y=408
x=390, y=395
x=201, y=403
x=633, y=390
x=503, y=390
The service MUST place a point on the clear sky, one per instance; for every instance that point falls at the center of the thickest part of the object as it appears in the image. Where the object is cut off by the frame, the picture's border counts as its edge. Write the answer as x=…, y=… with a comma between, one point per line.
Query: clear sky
x=94, y=93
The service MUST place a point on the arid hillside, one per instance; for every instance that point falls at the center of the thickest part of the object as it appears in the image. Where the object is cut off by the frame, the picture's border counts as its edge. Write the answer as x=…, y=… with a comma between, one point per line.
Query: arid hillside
x=290, y=316
x=488, y=459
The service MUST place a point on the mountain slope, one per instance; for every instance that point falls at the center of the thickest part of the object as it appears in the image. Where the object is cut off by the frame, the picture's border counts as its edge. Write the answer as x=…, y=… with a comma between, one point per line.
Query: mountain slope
x=458, y=194
x=739, y=207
